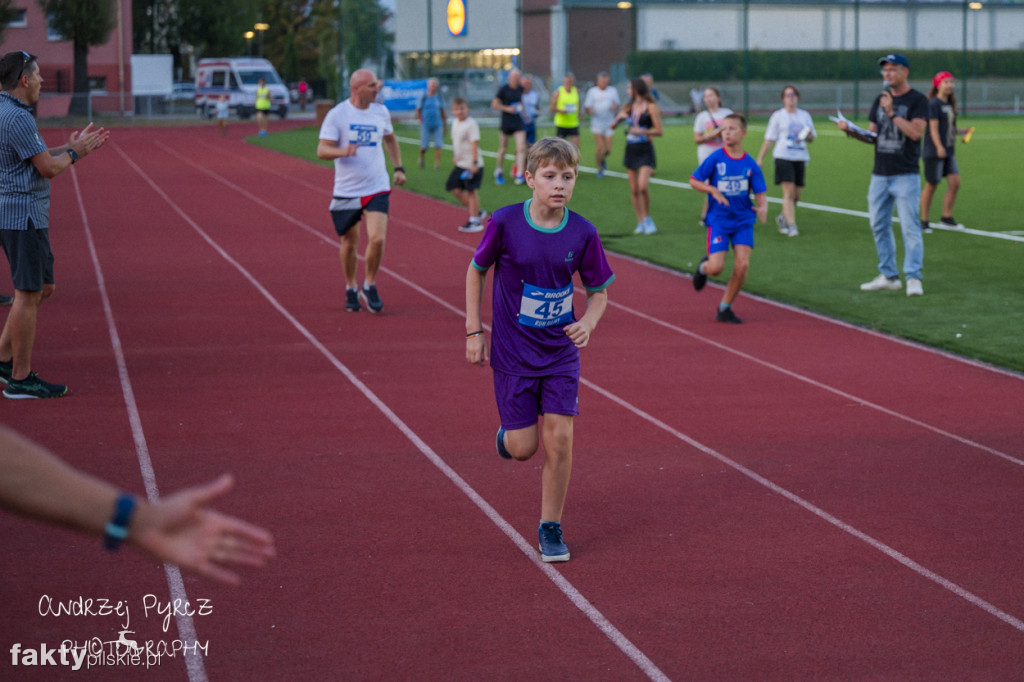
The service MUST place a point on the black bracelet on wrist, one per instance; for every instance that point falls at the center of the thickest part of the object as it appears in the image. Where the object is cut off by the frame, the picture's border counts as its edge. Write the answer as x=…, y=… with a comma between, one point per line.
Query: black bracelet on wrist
x=73, y=154
x=399, y=168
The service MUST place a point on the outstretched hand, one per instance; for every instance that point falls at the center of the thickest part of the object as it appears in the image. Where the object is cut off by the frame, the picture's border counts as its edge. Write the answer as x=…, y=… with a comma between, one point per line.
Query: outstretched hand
x=182, y=530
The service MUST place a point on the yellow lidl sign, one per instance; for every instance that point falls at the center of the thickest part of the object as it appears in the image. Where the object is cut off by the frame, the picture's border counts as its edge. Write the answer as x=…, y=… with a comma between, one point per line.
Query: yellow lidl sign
x=457, y=17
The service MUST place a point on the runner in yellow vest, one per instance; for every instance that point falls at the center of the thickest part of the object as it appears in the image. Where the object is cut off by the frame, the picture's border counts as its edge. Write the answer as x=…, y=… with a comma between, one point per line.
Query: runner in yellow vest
x=565, y=105
x=262, y=106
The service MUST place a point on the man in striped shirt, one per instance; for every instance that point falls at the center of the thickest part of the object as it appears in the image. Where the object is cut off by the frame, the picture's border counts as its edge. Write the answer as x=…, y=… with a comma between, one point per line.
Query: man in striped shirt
x=26, y=166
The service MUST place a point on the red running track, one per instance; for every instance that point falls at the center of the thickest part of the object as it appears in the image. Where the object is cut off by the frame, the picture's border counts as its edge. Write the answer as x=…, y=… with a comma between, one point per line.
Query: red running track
x=788, y=499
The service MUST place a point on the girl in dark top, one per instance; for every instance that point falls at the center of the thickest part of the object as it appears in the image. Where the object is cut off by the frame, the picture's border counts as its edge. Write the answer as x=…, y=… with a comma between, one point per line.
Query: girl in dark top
x=644, y=117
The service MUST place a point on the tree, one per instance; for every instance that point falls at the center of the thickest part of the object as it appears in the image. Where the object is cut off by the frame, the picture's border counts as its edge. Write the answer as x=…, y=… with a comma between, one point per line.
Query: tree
x=85, y=23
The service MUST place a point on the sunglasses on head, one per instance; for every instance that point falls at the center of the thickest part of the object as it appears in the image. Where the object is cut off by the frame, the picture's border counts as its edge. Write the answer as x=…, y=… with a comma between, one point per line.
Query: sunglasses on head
x=25, y=59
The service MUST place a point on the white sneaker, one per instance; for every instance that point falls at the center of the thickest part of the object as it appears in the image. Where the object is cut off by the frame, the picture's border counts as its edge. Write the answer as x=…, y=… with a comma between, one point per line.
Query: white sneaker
x=881, y=283
x=793, y=232
x=914, y=287
x=780, y=220
x=649, y=227
x=641, y=228
x=472, y=226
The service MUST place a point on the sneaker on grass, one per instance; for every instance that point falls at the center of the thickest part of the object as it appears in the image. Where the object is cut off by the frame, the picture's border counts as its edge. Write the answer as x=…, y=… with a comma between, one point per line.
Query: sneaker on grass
x=882, y=283
x=32, y=387
x=371, y=298
x=780, y=220
x=551, y=547
x=914, y=287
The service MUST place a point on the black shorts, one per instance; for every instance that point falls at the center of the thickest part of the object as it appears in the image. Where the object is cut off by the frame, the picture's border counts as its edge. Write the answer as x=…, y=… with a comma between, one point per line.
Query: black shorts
x=455, y=180
x=511, y=126
x=28, y=252
x=936, y=169
x=346, y=211
x=640, y=154
x=567, y=132
x=790, y=171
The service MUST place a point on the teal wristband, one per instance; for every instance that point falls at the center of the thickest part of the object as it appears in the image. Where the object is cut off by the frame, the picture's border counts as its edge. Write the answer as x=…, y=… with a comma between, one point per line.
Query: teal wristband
x=117, y=529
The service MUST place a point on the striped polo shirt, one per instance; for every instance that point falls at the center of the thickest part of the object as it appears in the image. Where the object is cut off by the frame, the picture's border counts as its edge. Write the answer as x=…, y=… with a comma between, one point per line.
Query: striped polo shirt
x=24, y=193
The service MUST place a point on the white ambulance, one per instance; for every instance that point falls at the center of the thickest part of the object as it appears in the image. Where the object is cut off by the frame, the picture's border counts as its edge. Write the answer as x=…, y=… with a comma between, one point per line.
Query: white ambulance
x=237, y=77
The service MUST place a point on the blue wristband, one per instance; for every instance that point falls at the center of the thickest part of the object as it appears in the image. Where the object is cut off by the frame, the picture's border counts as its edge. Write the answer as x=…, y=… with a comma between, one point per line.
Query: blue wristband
x=117, y=529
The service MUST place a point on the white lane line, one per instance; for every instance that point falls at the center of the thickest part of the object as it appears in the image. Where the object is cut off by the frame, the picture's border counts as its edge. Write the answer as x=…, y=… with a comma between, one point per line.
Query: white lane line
x=563, y=584
x=820, y=513
x=186, y=626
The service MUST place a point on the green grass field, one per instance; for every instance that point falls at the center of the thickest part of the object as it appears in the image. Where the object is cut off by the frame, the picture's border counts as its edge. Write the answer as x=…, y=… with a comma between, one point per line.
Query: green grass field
x=974, y=289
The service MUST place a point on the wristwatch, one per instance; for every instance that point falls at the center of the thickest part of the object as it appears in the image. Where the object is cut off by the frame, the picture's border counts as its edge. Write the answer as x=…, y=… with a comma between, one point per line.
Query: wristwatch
x=73, y=154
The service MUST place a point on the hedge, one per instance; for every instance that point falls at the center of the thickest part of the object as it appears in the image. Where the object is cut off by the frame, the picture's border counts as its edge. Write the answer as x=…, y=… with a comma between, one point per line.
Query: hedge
x=816, y=65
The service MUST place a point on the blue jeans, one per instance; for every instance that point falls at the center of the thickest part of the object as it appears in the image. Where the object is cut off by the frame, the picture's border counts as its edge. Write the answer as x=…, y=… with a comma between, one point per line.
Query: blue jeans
x=905, y=192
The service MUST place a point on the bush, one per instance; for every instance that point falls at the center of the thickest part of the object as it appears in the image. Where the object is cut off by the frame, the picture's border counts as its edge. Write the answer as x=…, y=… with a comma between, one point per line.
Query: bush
x=816, y=65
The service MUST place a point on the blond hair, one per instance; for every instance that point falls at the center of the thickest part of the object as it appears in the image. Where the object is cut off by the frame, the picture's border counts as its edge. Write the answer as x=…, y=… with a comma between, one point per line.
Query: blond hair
x=553, y=150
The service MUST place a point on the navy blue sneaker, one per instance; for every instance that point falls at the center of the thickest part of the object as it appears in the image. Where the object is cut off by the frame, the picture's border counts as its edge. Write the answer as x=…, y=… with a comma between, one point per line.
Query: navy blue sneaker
x=499, y=442
x=371, y=298
x=352, y=301
x=551, y=547
x=6, y=300
x=32, y=388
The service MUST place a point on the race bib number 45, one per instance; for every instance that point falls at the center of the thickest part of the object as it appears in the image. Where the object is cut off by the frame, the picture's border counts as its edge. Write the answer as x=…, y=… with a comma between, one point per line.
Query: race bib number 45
x=542, y=308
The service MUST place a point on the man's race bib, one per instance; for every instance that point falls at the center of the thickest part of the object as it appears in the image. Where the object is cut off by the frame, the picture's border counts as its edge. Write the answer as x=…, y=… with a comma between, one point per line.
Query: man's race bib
x=541, y=308
x=363, y=135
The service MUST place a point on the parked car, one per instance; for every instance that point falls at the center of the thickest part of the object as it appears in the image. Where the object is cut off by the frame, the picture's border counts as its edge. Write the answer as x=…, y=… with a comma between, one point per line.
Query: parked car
x=181, y=91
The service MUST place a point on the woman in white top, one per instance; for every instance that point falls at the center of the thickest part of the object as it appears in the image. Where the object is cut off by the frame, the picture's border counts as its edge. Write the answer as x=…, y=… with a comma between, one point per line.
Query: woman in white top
x=789, y=129
x=707, y=132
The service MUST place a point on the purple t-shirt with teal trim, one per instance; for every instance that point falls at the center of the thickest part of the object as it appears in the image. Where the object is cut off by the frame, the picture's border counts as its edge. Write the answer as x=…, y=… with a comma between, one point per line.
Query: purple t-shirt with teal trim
x=533, y=288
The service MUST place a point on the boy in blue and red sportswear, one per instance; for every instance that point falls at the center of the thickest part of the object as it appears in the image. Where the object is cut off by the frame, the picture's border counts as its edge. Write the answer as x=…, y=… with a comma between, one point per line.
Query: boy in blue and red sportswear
x=729, y=176
x=535, y=248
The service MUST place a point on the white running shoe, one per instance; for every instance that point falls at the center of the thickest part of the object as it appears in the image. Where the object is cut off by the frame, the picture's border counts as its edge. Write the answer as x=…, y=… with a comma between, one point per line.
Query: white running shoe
x=914, y=287
x=780, y=220
x=882, y=283
x=641, y=228
x=793, y=232
x=649, y=227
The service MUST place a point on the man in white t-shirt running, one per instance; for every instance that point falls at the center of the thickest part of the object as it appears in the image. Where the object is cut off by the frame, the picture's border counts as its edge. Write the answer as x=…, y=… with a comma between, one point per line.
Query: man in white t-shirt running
x=356, y=133
x=602, y=103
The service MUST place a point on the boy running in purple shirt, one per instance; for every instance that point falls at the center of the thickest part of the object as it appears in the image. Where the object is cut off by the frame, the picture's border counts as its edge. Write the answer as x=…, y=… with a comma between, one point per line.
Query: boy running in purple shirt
x=729, y=175
x=535, y=248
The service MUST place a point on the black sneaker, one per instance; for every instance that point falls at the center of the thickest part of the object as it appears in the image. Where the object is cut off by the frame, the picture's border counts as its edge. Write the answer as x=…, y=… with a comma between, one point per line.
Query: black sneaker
x=926, y=227
x=32, y=387
x=371, y=298
x=699, y=278
x=6, y=300
x=727, y=315
x=5, y=371
x=352, y=301
x=951, y=222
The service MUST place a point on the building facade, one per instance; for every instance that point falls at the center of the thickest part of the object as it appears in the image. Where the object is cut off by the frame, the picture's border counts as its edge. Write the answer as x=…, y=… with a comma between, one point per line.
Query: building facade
x=549, y=37
x=109, y=64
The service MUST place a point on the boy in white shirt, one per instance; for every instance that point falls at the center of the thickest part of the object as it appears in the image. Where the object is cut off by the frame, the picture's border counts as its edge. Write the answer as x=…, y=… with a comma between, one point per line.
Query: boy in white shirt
x=465, y=178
